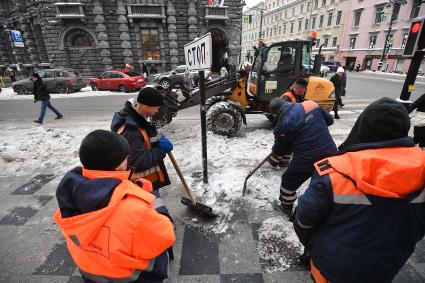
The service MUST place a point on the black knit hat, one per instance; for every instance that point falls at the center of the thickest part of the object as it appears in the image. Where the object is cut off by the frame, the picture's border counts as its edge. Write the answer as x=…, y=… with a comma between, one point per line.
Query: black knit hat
x=150, y=97
x=384, y=119
x=103, y=150
x=301, y=83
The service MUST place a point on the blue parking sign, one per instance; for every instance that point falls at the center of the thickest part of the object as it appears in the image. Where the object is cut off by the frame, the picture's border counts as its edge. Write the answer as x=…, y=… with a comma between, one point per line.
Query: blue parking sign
x=16, y=36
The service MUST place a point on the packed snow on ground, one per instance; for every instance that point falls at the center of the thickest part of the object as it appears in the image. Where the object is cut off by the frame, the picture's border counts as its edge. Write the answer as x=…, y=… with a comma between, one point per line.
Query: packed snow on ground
x=9, y=94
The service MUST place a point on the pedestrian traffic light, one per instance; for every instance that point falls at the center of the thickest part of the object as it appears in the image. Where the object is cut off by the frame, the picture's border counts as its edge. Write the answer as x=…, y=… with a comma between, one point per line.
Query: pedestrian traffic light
x=415, y=40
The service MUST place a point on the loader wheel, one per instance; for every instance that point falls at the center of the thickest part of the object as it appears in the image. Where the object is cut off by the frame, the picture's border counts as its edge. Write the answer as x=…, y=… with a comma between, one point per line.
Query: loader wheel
x=224, y=119
x=213, y=100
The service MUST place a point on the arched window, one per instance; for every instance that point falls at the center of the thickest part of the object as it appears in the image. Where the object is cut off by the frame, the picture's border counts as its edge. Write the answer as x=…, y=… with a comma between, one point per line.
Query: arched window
x=78, y=38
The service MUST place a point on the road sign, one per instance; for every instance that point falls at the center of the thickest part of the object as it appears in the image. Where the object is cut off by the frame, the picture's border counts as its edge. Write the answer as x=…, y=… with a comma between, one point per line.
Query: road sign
x=198, y=53
x=18, y=40
x=246, y=20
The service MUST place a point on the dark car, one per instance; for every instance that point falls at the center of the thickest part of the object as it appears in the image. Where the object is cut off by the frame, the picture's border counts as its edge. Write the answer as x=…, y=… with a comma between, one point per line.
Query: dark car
x=56, y=81
x=118, y=80
x=333, y=66
x=174, y=78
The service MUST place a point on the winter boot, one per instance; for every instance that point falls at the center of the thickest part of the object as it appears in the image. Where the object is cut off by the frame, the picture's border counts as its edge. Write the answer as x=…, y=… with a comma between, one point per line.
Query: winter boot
x=38, y=121
x=286, y=209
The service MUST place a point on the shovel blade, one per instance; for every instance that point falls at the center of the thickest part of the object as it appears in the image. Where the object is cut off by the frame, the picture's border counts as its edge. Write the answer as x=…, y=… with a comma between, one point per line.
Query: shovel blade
x=199, y=207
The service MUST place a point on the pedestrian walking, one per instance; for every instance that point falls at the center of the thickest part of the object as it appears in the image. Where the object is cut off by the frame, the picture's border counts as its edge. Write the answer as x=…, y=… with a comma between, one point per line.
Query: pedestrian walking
x=115, y=229
x=11, y=73
x=296, y=92
x=148, y=148
x=358, y=68
x=301, y=128
x=364, y=210
x=337, y=81
x=42, y=94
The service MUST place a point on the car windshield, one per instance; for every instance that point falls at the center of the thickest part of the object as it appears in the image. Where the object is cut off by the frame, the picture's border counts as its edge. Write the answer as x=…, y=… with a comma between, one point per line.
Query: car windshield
x=132, y=74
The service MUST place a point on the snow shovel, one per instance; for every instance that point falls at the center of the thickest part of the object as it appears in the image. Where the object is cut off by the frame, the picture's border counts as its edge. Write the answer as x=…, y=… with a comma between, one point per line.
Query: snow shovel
x=253, y=171
x=191, y=203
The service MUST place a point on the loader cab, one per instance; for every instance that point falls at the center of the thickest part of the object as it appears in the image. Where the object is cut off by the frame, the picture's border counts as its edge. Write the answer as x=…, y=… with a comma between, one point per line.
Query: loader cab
x=277, y=67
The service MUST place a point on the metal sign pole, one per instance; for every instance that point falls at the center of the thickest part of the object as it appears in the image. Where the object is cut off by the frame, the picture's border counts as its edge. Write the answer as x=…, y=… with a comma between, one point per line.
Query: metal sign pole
x=203, y=125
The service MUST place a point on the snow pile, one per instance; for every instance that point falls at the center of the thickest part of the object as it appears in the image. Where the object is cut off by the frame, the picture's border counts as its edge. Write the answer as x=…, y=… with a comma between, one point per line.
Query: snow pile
x=278, y=246
x=9, y=94
x=38, y=148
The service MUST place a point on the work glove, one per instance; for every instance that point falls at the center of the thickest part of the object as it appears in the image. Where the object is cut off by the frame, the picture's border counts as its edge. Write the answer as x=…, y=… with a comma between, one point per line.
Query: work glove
x=165, y=144
x=281, y=161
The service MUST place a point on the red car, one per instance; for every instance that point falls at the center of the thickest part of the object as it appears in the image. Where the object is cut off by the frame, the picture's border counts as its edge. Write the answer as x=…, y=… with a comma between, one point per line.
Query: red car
x=118, y=80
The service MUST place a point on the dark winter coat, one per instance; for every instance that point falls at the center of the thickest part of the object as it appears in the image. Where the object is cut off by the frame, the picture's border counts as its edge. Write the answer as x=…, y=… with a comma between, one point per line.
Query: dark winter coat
x=364, y=211
x=303, y=129
x=40, y=91
x=338, y=84
x=76, y=195
x=140, y=158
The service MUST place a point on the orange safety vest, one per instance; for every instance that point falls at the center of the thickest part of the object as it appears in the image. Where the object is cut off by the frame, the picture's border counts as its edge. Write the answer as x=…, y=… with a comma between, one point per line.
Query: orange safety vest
x=153, y=174
x=290, y=95
x=122, y=240
x=317, y=276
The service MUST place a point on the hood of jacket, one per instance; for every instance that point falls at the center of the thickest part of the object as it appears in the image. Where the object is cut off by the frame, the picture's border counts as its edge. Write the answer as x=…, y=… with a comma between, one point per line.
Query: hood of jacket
x=83, y=203
x=392, y=169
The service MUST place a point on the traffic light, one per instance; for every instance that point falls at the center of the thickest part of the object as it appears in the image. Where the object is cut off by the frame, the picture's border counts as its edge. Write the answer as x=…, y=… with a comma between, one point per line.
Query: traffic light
x=415, y=40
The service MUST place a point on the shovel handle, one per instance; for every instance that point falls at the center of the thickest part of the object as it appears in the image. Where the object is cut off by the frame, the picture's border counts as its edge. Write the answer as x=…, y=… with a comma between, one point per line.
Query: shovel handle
x=185, y=186
x=259, y=165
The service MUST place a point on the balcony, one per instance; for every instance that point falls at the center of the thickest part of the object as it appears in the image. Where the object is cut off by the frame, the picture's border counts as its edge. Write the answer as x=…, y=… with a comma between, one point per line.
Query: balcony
x=146, y=12
x=69, y=10
x=217, y=13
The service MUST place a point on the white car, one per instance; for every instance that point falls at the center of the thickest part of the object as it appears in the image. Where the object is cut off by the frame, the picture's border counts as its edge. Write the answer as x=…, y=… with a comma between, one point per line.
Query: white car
x=324, y=70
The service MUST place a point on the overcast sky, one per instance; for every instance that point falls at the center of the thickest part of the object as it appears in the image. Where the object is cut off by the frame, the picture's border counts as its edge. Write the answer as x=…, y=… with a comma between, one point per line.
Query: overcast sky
x=250, y=3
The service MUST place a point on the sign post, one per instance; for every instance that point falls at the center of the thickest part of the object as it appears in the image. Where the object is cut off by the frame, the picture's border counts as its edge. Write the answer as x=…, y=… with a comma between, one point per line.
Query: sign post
x=18, y=40
x=198, y=55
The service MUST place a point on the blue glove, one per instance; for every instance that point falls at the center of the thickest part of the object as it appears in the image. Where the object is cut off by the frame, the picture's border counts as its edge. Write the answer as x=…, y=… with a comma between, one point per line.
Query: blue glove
x=165, y=144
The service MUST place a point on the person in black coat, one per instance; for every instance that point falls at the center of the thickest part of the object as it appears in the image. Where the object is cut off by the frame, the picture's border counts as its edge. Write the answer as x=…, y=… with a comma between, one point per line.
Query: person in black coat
x=339, y=85
x=42, y=94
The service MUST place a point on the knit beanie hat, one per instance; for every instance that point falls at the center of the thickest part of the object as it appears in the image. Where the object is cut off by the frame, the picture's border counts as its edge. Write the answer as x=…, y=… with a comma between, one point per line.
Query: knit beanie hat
x=150, y=97
x=384, y=119
x=103, y=150
x=301, y=83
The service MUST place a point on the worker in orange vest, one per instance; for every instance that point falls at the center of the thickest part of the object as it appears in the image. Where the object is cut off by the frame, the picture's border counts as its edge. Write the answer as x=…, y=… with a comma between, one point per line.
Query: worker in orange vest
x=113, y=227
x=296, y=93
x=364, y=210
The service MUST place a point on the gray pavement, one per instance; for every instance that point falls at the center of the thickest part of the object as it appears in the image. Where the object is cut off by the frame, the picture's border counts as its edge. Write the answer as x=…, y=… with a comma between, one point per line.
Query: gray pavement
x=32, y=249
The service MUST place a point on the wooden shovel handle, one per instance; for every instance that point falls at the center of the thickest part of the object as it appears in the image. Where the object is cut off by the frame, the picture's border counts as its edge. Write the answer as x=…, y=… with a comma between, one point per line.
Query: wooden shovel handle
x=185, y=186
x=259, y=165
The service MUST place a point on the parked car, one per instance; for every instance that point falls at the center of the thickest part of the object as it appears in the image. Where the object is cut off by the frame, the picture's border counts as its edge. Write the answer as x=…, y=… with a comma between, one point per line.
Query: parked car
x=324, y=70
x=118, y=80
x=333, y=66
x=56, y=81
x=173, y=78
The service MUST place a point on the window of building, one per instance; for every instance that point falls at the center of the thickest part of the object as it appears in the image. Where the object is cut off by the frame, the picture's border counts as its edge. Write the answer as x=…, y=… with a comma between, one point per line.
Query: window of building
x=300, y=23
x=372, y=41
x=302, y=8
x=357, y=16
x=379, y=14
x=326, y=41
x=293, y=11
x=329, y=19
x=323, y=3
x=308, y=6
x=292, y=27
x=338, y=17
x=334, y=40
x=313, y=23
x=405, y=36
x=284, y=29
x=396, y=10
x=352, y=43
x=151, y=44
x=306, y=25
x=78, y=38
x=321, y=21
x=416, y=6
x=286, y=14
x=316, y=4
x=280, y=30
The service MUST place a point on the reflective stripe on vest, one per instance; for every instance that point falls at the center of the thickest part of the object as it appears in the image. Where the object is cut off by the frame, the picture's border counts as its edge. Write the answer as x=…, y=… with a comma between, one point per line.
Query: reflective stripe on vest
x=317, y=276
x=344, y=190
x=153, y=174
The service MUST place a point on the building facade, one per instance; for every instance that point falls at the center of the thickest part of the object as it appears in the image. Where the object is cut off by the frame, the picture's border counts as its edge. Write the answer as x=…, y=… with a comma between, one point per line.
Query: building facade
x=366, y=32
x=295, y=19
x=91, y=36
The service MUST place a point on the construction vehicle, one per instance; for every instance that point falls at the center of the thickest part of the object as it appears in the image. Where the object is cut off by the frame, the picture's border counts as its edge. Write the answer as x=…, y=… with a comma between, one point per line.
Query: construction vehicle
x=231, y=98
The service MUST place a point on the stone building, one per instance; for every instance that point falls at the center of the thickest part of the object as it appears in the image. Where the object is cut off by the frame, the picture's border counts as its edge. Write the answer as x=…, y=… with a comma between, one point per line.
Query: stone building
x=367, y=28
x=94, y=35
x=295, y=19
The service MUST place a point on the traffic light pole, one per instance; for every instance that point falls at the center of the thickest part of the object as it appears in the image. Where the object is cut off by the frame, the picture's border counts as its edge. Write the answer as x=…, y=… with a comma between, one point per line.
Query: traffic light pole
x=409, y=83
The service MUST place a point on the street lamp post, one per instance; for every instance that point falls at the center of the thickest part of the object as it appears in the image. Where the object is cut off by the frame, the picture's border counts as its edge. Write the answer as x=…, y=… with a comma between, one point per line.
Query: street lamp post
x=395, y=4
